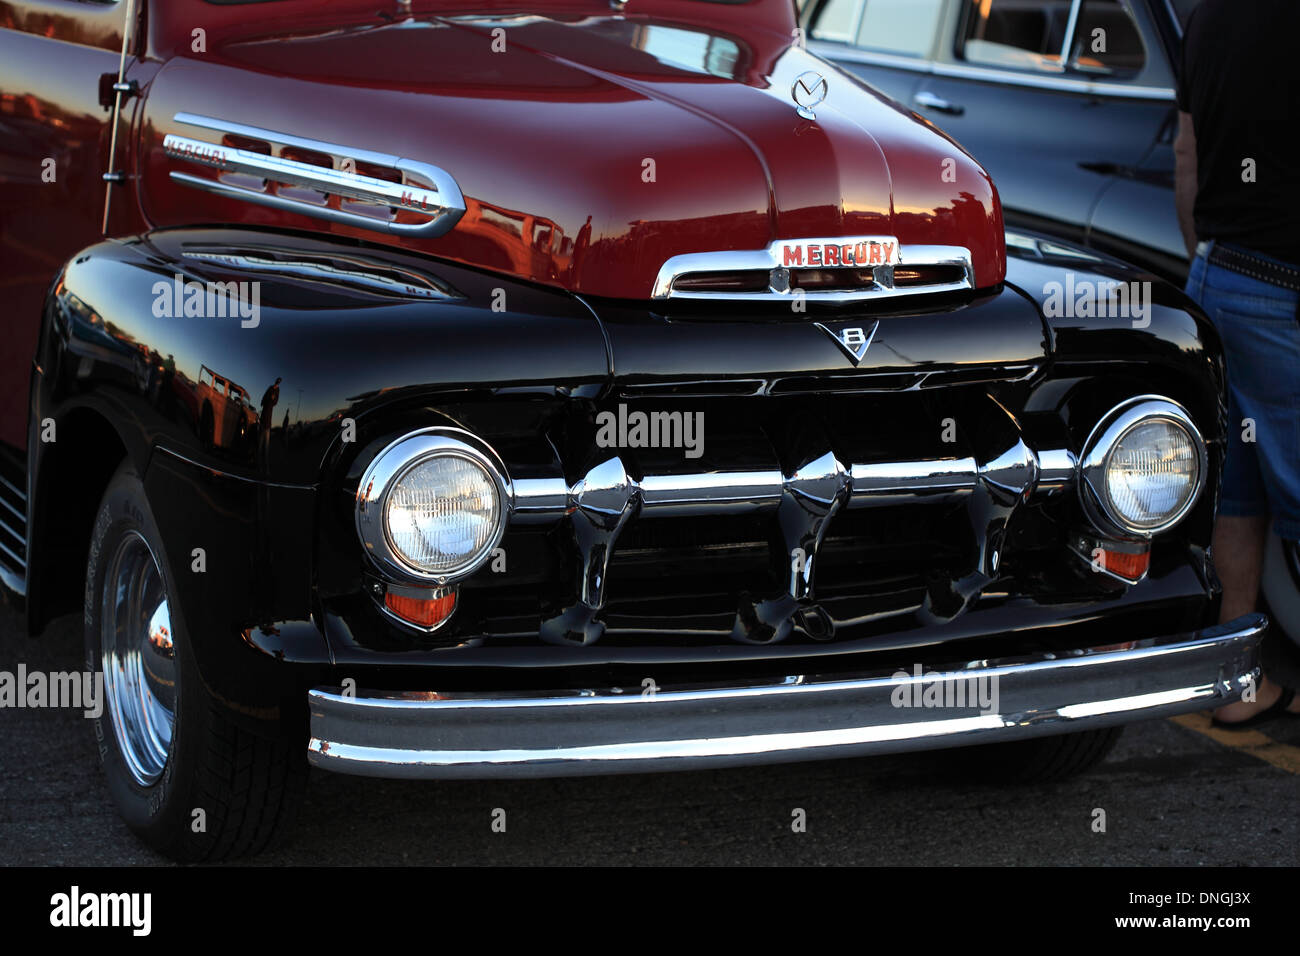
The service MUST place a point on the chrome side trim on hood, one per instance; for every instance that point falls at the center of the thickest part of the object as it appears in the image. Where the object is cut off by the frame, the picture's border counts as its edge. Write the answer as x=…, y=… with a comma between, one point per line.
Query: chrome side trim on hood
x=351, y=272
x=421, y=189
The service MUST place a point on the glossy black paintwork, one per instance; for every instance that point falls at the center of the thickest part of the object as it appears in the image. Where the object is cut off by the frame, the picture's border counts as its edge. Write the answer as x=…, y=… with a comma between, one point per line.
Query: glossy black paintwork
x=272, y=510
x=336, y=350
x=773, y=348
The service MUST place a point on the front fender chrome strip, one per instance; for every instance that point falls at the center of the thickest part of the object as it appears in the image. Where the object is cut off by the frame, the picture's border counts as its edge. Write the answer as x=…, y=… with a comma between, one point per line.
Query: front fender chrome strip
x=423, y=190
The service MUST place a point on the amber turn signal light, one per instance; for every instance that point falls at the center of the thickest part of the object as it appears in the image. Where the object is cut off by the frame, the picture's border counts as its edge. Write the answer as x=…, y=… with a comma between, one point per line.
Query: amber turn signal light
x=1126, y=560
x=426, y=612
x=1131, y=567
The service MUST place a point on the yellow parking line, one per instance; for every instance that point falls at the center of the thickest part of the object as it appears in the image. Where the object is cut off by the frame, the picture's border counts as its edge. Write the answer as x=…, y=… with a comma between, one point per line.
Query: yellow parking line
x=1283, y=756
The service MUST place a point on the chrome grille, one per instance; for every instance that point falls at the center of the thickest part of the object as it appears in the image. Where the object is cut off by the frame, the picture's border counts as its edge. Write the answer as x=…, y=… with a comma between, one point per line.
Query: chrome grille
x=765, y=276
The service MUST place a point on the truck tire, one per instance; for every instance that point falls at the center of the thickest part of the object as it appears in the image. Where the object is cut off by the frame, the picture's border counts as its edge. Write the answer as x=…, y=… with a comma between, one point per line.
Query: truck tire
x=189, y=783
x=1042, y=759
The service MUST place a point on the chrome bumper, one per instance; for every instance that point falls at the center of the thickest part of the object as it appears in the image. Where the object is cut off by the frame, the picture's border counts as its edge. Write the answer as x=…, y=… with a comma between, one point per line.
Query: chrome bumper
x=625, y=730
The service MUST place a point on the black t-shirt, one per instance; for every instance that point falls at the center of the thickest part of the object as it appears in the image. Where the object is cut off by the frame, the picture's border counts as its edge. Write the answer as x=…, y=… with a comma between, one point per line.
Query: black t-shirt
x=1241, y=83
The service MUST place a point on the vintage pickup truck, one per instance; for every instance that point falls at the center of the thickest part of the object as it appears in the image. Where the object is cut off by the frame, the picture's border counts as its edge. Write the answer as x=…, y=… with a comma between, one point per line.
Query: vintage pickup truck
x=487, y=388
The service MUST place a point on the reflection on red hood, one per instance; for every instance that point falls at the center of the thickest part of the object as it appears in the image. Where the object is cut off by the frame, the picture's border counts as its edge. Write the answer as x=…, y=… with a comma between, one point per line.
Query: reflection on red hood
x=590, y=147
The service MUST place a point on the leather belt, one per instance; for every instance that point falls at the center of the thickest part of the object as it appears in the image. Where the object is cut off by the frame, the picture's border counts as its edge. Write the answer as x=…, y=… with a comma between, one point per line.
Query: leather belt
x=1249, y=264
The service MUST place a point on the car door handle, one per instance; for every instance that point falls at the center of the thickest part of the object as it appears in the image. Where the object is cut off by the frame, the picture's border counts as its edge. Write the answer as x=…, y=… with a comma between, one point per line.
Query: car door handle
x=931, y=101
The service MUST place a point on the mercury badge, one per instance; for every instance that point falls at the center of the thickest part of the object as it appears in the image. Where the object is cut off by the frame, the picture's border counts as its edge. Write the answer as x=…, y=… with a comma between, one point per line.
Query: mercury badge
x=809, y=89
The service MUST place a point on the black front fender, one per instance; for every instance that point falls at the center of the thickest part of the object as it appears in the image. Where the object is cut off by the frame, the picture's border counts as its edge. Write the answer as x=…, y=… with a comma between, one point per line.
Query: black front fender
x=246, y=351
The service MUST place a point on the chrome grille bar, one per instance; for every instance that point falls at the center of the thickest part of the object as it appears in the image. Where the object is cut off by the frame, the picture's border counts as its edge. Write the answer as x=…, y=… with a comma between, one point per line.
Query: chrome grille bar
x=735, y=492
x=1019, y=469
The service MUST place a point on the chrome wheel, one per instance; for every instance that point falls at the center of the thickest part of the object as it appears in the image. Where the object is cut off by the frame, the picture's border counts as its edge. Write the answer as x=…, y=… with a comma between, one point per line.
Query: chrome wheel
x=139, y=658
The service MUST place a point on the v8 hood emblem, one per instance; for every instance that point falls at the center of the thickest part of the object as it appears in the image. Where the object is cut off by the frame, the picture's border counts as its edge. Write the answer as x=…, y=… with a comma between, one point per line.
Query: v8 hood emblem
x=854, y=341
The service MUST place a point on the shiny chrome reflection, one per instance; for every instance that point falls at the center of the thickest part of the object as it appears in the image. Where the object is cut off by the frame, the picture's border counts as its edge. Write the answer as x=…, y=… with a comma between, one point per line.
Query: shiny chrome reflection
x=772, y=263
x=813, y=494
x=395, y=461
x=365, y=201
x=139, y=658
x=335, y=270
x=1019, y=471
x=1106, y=436
x=593, y=729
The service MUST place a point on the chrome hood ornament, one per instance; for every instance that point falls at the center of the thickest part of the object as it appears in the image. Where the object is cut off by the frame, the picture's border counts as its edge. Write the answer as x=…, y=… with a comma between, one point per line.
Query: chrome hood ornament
x=809, y=90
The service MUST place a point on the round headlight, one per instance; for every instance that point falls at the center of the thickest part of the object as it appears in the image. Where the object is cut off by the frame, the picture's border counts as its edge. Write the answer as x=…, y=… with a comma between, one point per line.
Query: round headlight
x=432, y=505
x=1151, y=473
x=1144, y=465
x=441, y=513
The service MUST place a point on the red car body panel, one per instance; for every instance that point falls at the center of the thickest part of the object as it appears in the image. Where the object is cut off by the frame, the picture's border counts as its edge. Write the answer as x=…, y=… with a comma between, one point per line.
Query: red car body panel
x=54, y=144
x=549, y=139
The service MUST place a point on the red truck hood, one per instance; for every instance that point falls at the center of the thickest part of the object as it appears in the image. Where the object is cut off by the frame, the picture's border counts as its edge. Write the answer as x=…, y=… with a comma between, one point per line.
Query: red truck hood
x=589, y=149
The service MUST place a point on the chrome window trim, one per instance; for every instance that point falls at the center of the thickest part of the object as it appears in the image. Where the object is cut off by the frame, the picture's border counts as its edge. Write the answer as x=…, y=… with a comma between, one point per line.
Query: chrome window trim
x=854, y=27
x=859, y=15
x=1106, y=434
x=1057, y=84
x=387, y=468
x=1071, y=25
x=745, y=260
x=1174, y=18
x=432, y=191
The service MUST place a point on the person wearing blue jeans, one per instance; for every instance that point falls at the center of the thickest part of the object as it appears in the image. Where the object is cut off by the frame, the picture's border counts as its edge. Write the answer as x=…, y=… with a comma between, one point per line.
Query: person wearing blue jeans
x=1237, y=189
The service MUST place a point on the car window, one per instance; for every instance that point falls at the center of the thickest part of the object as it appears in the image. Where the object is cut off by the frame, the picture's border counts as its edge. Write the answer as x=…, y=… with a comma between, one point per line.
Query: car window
x=836, y=20
x=900, y=26
x=1020, y=34
x=904, y=27
x=1107, y=40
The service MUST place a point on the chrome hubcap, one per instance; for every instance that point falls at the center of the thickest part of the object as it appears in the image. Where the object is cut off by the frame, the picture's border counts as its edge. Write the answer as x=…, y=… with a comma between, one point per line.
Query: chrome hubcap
x=139, y=659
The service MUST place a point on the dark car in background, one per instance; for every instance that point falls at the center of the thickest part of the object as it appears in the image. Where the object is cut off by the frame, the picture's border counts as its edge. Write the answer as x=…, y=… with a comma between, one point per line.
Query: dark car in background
x=1069, y=104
